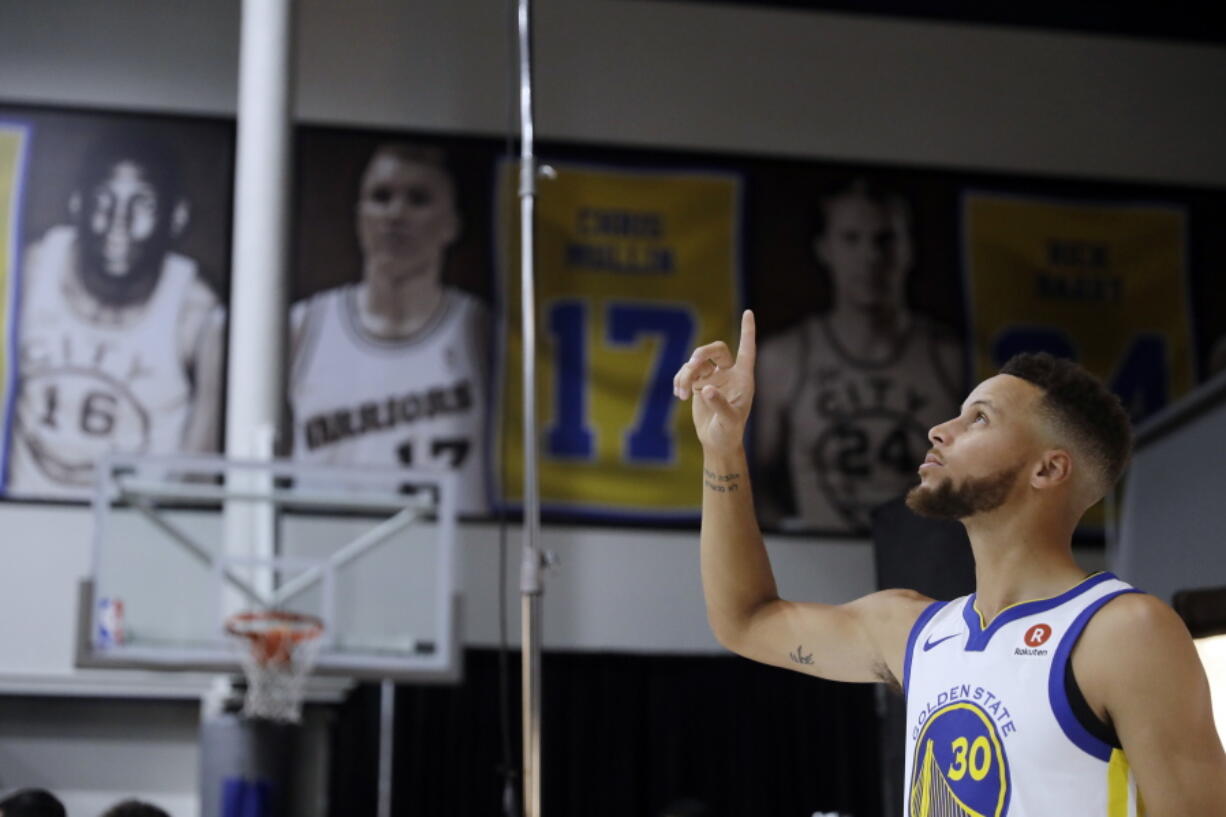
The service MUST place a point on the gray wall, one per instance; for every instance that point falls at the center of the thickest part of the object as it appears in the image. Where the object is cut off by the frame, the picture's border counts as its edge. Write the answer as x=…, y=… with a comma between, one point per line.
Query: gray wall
x=635, y=73
x=1171, y=535
x=658, y=73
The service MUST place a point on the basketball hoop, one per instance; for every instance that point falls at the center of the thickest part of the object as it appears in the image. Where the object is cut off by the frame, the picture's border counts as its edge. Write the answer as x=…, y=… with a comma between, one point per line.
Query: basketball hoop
x=279, y=653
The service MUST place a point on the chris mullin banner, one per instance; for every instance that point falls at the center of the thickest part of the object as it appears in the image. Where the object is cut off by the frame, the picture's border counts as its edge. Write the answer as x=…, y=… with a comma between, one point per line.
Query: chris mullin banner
x=634, y=268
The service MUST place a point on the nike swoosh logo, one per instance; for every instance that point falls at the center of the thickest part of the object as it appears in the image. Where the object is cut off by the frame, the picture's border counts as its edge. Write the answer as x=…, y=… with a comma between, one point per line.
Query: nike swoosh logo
x=929, y=643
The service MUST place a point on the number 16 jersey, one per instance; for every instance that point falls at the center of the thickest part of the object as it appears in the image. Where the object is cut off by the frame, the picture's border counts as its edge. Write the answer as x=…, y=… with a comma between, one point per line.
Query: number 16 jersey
x=116, y=381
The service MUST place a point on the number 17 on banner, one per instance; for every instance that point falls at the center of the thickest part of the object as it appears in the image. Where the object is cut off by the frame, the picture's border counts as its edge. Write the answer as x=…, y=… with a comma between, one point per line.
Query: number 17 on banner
x=633, y=269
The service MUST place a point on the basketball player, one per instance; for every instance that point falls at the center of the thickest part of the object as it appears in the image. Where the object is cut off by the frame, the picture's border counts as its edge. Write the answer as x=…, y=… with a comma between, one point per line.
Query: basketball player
x=1046, y=692
x=846, y=396
x=120, y=338
x=391, y=370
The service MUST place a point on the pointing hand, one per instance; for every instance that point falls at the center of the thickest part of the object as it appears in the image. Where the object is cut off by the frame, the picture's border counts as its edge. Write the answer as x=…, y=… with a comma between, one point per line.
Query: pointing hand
x=722, y=388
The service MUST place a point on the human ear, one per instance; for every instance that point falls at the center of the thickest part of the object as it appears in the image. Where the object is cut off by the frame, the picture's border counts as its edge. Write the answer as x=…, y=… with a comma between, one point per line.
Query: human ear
x=1054, y=468
x=180, y=217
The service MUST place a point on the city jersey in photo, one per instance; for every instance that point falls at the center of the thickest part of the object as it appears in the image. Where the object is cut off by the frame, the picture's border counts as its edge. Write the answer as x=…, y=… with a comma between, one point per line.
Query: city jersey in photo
x=858, y=429
x=92, y=386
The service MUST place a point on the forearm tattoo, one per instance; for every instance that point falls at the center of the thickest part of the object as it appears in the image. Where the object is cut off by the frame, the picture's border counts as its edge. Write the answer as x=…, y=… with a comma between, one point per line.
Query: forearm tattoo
x=721, y=483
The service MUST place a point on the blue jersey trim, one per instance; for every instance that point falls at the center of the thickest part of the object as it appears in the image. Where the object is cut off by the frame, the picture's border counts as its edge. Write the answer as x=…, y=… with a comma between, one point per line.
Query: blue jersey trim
x=1057, y=693
x=924, y=617
x=979, y=637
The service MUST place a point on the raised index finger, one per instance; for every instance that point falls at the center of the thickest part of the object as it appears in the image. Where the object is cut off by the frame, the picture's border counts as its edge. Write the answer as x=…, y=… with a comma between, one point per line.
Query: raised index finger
x=748, y=348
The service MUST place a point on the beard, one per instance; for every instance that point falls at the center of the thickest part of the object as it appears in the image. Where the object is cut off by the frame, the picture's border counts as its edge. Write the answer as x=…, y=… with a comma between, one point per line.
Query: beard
x=972, y=496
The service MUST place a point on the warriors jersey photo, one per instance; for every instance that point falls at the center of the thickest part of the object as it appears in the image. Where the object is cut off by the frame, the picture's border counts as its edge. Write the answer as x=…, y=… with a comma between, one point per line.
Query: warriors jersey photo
x=417, y=401
x=111, y=380
x=853, y=430
x=996, y=724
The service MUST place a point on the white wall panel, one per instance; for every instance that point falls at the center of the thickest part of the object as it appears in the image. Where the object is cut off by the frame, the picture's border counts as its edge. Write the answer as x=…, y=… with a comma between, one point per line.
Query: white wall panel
x=714, y=76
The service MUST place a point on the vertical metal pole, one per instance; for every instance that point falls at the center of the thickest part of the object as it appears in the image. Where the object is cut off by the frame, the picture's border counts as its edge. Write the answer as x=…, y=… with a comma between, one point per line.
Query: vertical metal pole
x=387, y=724
x=261, y=220
x=257, y=340
x=258, y=289
x=531, y=586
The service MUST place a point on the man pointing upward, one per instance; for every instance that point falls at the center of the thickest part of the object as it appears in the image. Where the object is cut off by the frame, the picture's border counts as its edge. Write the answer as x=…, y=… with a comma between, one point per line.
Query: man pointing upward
x=1049, y=691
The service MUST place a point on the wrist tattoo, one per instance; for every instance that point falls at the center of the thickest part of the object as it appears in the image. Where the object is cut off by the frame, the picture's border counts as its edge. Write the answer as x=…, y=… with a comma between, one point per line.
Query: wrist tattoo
x=799, y=656
x=721, y=483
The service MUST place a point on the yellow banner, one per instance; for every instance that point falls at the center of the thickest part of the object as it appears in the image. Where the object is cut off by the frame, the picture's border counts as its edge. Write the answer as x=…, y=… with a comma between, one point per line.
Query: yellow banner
x=14, y=140
x=1104, y=284
x=633, y=268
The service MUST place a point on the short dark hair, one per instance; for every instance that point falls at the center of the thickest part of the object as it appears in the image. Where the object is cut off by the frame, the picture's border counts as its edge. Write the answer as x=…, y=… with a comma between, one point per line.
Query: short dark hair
x=32, y=803
x=861, y=187
x=131, y=144
x=415, y=154
x=1080, y=405
x=133, y=808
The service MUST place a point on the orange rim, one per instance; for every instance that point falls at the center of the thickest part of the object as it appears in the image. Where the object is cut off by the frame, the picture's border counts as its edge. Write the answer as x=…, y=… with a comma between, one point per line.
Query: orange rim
x=274, y=633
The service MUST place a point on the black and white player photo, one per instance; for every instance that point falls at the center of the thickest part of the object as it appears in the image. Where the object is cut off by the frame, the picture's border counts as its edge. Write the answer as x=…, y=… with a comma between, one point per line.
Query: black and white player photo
x=847, y=393
x=390, y=367
x=120, y=336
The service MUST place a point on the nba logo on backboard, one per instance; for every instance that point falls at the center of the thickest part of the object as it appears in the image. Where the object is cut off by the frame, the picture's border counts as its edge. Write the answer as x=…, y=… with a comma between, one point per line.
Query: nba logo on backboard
x=110, y=622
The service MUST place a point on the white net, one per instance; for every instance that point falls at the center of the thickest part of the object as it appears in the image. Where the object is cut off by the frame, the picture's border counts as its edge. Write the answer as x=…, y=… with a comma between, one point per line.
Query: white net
x=277, y=650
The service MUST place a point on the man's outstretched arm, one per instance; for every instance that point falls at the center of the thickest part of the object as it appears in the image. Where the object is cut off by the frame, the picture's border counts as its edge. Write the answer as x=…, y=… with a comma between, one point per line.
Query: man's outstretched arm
x=864, y=640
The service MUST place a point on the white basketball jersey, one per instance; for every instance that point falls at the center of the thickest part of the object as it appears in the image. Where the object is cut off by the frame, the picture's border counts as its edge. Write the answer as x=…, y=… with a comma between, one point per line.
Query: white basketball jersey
x=418, y=401
x=857, y=430
x=88, y=388
x=992, y=727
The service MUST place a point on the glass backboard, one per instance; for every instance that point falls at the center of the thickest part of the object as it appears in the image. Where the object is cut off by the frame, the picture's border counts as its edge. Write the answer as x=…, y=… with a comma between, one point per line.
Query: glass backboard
x=183, y=543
